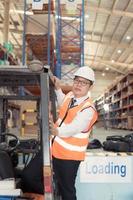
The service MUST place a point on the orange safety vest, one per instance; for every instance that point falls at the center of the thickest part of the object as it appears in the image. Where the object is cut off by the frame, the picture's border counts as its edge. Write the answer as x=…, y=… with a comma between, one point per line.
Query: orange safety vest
x=74, y=147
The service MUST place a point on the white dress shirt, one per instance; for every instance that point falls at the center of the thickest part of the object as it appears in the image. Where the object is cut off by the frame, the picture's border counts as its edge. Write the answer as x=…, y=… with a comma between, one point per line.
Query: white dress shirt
x=80, y=122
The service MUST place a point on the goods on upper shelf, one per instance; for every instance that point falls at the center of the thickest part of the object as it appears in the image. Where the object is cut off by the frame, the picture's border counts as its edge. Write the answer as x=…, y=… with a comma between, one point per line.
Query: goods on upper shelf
x=6, y=56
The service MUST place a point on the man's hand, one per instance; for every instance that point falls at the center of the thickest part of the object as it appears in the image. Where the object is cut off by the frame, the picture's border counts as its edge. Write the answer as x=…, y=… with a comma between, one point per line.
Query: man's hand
x=52, y=128
x=56, y=82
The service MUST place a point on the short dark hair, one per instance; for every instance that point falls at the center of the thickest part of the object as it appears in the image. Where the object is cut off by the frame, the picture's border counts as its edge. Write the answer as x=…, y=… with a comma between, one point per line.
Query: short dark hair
x=91, y=82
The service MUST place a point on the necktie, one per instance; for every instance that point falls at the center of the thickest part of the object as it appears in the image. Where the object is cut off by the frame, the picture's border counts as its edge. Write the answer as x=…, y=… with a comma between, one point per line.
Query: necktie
x=73, y=101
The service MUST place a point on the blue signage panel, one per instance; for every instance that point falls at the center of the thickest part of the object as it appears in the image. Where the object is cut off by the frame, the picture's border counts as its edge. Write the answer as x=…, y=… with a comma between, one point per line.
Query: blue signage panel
x=115, y=169
x=105, y=178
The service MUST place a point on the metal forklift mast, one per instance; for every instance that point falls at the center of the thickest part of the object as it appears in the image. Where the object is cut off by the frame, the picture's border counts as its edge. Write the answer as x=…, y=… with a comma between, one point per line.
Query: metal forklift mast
x=45, y=101
x=47, y=169
x=3, y=118
x=23, y=77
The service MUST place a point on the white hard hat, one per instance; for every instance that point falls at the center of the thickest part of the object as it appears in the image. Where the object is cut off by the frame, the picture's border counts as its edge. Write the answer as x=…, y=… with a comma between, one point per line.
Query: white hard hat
x=85, y=72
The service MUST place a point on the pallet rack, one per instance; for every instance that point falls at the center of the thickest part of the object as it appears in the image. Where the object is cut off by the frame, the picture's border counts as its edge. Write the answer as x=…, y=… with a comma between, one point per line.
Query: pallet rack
x=119, y=98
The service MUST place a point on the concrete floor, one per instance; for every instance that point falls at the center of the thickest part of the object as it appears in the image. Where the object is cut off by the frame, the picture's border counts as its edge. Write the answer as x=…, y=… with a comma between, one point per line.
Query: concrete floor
x=101, y=133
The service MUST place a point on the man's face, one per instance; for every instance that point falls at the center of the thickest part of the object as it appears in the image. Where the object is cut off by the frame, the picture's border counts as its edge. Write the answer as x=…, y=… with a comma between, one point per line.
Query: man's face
x=81, y=86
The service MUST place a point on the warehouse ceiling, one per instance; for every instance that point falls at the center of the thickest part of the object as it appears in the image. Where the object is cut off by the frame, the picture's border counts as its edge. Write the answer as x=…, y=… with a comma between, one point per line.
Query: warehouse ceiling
x=108, y=35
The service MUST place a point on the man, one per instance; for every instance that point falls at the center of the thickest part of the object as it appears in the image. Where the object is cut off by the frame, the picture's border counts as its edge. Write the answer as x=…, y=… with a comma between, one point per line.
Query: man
x=71, y=131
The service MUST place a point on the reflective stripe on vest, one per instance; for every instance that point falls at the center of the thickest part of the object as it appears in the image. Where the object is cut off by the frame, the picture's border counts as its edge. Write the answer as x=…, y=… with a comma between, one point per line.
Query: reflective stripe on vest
x=73, y=147
x=69, y=146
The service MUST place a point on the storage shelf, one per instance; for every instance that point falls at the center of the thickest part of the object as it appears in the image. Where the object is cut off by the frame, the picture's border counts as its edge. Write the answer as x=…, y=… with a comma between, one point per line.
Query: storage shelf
x=119, y=98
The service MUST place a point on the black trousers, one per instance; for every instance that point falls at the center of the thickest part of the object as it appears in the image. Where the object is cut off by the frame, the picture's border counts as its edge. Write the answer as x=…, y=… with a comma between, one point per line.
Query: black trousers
x=6, y=168
x=32, y=175
x=65, y=173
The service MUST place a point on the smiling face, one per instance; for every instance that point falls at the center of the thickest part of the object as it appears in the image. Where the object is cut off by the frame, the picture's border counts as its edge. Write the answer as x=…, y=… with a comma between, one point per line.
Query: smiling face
x=81, y=86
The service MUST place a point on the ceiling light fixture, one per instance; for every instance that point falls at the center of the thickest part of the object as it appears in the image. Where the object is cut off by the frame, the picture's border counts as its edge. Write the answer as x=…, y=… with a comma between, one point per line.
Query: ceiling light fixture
x=112, y=61
x=107, y=68
x=21, y=12
x=87, y=16
x=103, y=74
x=128, y=37
x=70, y=18
x=119, y=51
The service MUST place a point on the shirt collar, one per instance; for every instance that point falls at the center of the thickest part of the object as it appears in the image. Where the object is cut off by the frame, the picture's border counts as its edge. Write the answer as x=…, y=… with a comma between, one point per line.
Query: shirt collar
x=81, y=99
